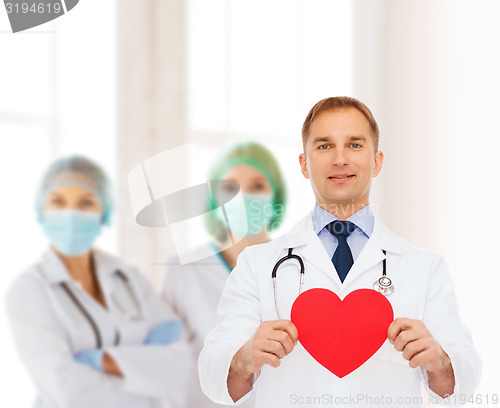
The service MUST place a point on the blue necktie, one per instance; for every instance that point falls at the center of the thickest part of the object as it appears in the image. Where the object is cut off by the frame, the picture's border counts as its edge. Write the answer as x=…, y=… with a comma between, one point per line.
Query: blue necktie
x=342, y=258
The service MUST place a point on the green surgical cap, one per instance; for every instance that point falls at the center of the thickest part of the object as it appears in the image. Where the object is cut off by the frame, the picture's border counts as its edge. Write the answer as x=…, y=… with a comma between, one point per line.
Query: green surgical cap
x=255, y=155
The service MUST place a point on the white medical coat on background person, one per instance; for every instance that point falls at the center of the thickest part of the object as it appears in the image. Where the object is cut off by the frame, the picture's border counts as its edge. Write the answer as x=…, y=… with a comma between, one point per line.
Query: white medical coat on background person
x=423, y=290
x=193, y=291
x=49, y=330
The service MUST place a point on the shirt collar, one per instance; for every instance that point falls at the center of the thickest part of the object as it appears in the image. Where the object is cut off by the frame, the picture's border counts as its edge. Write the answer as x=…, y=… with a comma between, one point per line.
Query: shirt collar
x=363, y=219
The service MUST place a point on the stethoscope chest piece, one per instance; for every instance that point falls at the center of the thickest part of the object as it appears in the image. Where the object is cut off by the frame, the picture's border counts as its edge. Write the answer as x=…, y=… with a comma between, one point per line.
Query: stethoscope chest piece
x=384, y=284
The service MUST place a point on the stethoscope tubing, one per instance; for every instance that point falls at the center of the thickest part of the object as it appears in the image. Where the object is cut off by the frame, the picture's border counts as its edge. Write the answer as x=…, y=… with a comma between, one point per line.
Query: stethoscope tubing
x=275, y=272
x=88, y=316
x=85, y=313
x=132, y=295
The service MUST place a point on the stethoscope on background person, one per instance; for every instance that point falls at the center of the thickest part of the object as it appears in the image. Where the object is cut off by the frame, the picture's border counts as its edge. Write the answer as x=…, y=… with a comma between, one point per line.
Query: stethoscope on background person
x=383, y=284
x=124, y=278
x=133, y=296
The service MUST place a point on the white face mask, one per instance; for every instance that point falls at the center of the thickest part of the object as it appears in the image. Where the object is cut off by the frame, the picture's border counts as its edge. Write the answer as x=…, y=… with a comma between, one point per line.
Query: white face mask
x=250, y=217
x=72, y=232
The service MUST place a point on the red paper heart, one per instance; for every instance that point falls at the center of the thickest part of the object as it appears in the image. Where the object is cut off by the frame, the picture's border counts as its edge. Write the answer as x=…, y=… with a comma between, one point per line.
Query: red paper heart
x=342, y=335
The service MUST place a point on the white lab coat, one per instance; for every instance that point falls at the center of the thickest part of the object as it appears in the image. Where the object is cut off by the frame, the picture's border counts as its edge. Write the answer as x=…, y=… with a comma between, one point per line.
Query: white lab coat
x=193, y=291
x=423, y=290
x=49, y=329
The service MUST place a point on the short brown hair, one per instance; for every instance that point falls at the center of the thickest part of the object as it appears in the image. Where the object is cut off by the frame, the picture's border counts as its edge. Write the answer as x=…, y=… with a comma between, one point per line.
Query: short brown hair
x=338, y=103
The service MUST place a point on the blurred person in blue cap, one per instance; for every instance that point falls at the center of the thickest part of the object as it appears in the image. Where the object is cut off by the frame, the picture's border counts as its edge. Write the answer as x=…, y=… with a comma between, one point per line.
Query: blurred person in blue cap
x=89, y=327
x=193, y=290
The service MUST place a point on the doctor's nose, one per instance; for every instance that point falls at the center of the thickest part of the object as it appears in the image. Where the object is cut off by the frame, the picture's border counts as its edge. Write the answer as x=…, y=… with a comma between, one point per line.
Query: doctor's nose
x=339, y=157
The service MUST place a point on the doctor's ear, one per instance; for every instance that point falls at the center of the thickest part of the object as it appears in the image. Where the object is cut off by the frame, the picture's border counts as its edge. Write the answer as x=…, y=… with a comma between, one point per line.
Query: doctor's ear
x=303, y=165
x=379, y=159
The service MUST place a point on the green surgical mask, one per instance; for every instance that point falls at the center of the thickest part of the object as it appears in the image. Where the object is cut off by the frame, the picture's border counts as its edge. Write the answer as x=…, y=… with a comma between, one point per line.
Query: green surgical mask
x=252, y=218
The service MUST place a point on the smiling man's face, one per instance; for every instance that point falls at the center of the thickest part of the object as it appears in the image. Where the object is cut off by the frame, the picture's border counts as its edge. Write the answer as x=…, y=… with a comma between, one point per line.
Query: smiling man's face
x=340, y=159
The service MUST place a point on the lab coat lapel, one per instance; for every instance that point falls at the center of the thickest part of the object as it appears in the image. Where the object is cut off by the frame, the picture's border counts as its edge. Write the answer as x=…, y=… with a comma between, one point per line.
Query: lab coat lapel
x=371, y=255
x=104, y=269
x=311, y=249
x=315, y=253
x=53, y=268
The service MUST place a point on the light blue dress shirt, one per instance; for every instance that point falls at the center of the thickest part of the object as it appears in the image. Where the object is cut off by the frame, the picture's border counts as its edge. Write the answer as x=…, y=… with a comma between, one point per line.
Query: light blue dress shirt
x=363, y=219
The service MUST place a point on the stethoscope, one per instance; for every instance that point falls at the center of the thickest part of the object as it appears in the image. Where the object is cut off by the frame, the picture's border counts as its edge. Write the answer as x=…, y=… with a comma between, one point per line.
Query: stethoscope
x=133, y=296
x=383, y=284
x=137, y=316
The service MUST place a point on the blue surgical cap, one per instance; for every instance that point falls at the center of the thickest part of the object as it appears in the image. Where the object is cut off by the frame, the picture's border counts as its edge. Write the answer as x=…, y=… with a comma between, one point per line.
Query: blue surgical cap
x=76, y=171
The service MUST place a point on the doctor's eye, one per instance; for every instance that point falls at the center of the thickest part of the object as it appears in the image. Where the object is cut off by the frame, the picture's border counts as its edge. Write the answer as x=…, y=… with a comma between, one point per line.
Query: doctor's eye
x=356, y=145
x=259, y=186
x=323, y=147
x=56, y=201
x=88, y=203
x=229, y=188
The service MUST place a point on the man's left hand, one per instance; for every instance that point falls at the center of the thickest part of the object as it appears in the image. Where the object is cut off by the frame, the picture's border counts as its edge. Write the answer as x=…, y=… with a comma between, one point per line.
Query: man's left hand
x=417, y=344
x=421, y=349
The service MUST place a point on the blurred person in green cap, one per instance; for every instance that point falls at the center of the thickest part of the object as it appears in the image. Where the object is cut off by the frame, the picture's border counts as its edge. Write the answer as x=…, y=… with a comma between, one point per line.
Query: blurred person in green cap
x=193, y=290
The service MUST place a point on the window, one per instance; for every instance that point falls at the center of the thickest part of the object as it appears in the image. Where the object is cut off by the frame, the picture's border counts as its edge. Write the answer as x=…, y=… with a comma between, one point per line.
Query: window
x=255, y=70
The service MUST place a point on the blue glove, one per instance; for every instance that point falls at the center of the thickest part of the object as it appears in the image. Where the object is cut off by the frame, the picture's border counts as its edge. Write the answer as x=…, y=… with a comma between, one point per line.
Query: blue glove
x=91, y=358
x=165, y=333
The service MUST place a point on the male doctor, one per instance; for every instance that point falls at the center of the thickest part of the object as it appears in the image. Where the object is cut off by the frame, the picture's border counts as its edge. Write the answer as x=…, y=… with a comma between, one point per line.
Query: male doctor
x=253, y=350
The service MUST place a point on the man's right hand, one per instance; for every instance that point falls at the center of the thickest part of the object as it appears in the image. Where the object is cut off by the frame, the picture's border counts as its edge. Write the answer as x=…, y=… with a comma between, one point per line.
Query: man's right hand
x=272, y=341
